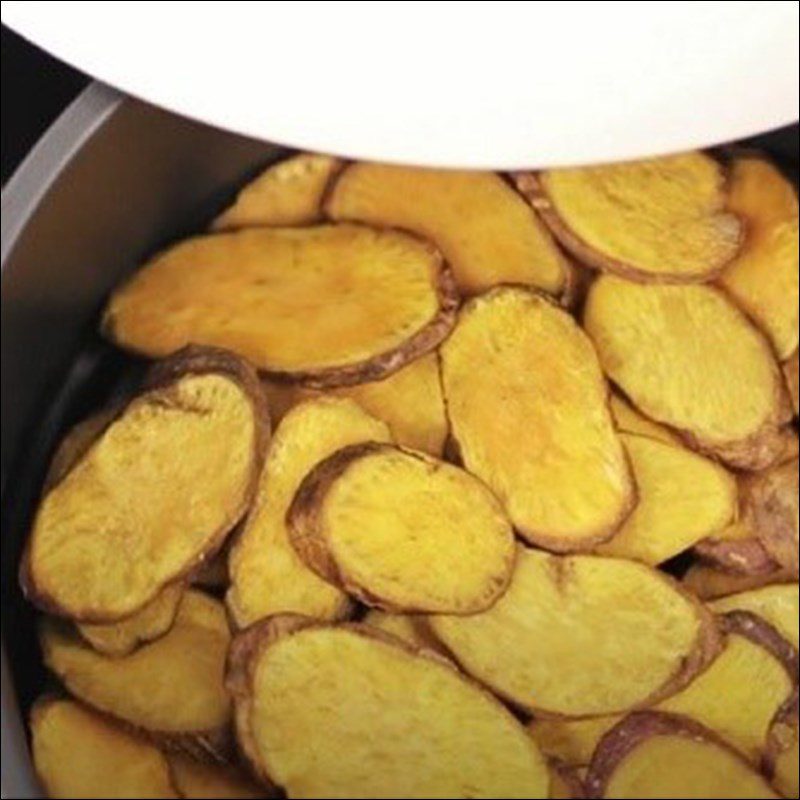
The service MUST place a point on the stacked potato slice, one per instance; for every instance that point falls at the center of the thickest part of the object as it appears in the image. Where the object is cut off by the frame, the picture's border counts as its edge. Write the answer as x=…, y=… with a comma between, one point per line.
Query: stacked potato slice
x=503, y=406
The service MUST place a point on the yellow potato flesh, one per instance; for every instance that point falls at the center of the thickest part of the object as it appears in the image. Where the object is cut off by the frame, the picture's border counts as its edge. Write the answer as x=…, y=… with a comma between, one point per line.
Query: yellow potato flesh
x=267, y=575
x=577, y=635
x=763, y=278
x=78, y=753
x=171, y=685
x=197, y=780
x=527, y=405
x=779, y=605
x=147, y=500
x=410, y=628
x=289, y=300
x=413, y=726
x=629, y=420
x=487, y=232
x=683, y=498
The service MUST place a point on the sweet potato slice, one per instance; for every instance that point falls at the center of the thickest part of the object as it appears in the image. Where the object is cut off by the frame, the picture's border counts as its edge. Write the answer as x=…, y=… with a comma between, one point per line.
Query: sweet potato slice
x=287, y=193
x=629, y=420
x=583, y=635
x=777, y=604
x=200, y=780
x=79, y=753
x=487, y=232
x=150, y=622
x=654, y=754
x=403, y=531
x=411, y=628
x=688, y=358
x=763, y=278
x=348, y=712
x=409, y=401
x=171, y=688
x=329, y=306
x=781, y=757
x=527, y=406
x=267, y=575
x=710, y=583
x=155, y=495
x=571, y=741
x=736, y=549
x=660, y=219
x=682, y=498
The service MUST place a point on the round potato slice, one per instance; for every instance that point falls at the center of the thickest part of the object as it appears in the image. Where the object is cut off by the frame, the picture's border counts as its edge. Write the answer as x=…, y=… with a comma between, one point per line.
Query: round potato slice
x=348, y=712
x=583, y=635
x=403, y=531
x=528, y=409
x=330, y=305
x=688, y=358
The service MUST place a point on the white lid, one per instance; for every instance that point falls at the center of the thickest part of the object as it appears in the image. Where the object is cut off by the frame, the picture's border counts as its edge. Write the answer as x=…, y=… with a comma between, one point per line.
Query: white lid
x=479, y=84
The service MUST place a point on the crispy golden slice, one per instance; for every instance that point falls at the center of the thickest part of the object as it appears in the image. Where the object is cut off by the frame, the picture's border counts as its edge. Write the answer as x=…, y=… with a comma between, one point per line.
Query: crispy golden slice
x=150, y=622
x=583, y=635
x=267, y=575
x=155, y=495
x=345, y=712
x=709, y=582
x=688, y=358
x=329, y=306
x=199, y=780
x=78, y=753
x=287, y=193
x=781, y=758
x=682, y=498
x=409, y=401
x=487, y=232
x=654, y=754
x=565, y=783
x=527, y=405
x=403, y=531
x=413, y=629
x=629, y=420
x=763, y=278
x=791, y=372
x=778, y=604
x=661, y=219
x=172, y=687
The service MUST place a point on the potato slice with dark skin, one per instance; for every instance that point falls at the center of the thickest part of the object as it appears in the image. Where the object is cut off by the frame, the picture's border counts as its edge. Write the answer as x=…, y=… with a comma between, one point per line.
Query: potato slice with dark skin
x=688, y=358
x=527, y=405
x=710, y=583
x=80, y=753
x=736, y=549
x=345, y=303
x=652, y=754
x=403, y=531
x=129, y=519
x=415, y=726
x=659, y=220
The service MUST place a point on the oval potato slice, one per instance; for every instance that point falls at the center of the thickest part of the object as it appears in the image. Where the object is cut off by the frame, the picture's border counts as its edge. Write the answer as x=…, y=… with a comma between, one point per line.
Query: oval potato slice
x=527, y=405
x=79, y=753
x=328, y=306
x=688, y=358
x=350, y=712
x=155, y=495
x=652, y=754
x=583, y=635
x=403, y=531
x=661, y=219
x=487, y=232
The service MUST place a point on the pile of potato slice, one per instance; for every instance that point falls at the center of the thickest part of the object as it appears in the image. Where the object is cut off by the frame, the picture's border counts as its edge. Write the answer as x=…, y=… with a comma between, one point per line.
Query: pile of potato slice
x=396, y=510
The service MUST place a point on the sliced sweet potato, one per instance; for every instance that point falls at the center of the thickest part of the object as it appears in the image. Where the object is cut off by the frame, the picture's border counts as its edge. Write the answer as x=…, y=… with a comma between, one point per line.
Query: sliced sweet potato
x=328, y=306
x=79, y=753
x=346, y=711
x=565, y=783
x=201, y=780
x=709, y=583
x=267, y=575
x=409, y=401
x=682, y=498
x=171, y=688
x=527, y=406
x=629, y=420
x=571, y=741
x=778, y=604
x=150, y=622
x=155, y=495
x=487, y=232
x=688, y=358
x=652, y=754
x=661, y=219
x=781, y=757
x=791, y=371
x=287, y=193
x=583, y=635
x=403, y=531
x=736, y=549
x=763, y=278
x=411, y=628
